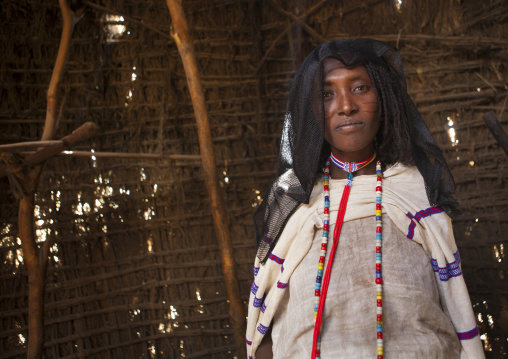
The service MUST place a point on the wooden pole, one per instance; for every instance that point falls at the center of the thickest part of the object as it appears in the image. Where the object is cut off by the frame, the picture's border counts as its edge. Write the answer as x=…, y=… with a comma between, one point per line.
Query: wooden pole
x=36, y=260
x=497, y=130
x=183, y=40
x=69, y=21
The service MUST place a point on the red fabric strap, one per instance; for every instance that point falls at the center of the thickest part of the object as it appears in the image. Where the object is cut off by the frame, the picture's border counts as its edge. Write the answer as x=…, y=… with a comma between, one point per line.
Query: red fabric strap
x=326, y=278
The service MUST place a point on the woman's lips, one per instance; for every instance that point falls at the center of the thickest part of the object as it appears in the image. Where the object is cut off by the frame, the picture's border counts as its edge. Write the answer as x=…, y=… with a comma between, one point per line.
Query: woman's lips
x=348, y=125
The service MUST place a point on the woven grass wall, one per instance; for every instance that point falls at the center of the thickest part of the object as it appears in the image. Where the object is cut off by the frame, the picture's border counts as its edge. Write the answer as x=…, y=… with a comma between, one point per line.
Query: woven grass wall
x=135, y=271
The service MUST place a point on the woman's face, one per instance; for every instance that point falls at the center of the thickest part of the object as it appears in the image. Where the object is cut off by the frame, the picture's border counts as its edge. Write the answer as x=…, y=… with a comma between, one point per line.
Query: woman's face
x=351, y=111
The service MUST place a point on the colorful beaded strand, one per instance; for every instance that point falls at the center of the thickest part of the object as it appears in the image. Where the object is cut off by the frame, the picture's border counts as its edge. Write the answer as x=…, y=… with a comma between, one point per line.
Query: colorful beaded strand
x=324, y=244
x=324, y=238
x=379, y=278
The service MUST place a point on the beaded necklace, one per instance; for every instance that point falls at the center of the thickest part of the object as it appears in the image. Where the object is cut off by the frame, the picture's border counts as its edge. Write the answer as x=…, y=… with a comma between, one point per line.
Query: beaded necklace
x=321, y=287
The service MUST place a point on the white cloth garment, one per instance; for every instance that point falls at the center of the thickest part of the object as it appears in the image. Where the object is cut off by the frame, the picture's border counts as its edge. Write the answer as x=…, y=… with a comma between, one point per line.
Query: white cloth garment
x=414, y=233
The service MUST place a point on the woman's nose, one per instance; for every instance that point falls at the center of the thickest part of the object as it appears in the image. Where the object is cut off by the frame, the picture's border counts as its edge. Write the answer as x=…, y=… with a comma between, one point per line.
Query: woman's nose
x=345, y=104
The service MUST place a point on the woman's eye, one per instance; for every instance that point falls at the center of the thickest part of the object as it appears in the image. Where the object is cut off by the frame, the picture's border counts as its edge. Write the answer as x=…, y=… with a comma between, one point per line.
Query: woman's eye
x=361, y=88
x=327, y=94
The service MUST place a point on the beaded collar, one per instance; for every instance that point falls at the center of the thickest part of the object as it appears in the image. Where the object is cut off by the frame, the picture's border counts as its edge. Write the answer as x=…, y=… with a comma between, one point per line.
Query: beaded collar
x=321, y=287
x=351, y=167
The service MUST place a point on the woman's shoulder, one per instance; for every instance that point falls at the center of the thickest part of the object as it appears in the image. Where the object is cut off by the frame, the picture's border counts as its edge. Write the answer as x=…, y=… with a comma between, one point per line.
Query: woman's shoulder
x=405, y=184
x=404, y=176
x=403, y=173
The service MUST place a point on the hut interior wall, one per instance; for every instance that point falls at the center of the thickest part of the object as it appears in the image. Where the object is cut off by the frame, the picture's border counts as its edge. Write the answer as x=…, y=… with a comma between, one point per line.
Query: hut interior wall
x=135, y=271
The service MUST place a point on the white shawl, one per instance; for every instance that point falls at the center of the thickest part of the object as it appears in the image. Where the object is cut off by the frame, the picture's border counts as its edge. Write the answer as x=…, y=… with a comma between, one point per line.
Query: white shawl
x=405, y=201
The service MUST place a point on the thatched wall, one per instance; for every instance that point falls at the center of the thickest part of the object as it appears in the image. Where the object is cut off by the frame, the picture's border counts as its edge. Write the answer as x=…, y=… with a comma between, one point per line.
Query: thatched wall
x=135, y=270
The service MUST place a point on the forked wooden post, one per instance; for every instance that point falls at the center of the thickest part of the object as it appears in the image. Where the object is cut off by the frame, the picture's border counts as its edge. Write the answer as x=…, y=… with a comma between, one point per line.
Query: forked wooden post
x=180, y=34
x=36, y=260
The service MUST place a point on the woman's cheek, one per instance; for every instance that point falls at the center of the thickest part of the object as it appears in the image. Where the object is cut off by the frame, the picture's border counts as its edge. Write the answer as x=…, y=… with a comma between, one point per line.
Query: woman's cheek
x=327, y=130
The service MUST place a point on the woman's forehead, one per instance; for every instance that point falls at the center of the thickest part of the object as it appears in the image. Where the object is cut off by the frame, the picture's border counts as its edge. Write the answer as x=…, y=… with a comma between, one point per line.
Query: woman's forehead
x=330, y=64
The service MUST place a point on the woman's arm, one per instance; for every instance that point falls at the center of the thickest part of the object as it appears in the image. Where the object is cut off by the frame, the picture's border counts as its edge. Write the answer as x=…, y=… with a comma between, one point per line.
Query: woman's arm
x=264, y=350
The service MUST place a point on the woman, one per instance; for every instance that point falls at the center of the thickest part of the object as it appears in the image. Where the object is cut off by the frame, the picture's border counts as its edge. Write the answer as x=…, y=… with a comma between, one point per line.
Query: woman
x=356, y=256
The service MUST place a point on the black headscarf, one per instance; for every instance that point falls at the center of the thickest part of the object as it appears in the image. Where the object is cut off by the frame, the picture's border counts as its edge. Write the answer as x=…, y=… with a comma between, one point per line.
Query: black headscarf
x=403, y=135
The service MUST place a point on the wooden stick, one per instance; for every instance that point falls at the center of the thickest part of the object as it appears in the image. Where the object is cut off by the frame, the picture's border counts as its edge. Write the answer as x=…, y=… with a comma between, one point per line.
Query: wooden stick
x=133, y=155
x=272, y=46
x=82, y=133
x=299, y=20
x=14, y=146
x=456, y=41
x=310, y=11
x=486, y=81
x=184, y=42
x=69, y=21
x=497, y=130
x=153, y=156
x=488, y=93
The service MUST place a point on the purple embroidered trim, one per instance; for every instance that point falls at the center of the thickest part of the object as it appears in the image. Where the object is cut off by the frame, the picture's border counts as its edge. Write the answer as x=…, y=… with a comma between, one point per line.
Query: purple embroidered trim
x=262, y=329
x=276, y=259
x=256, y=271
x=282, y=285
x=257, y=302
x=419, y=215
x=263, y=307
x=469, y=334
x=451, y=270
x=411, y=228
x=248, y=341
x=428, y=212
x=254, y=288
